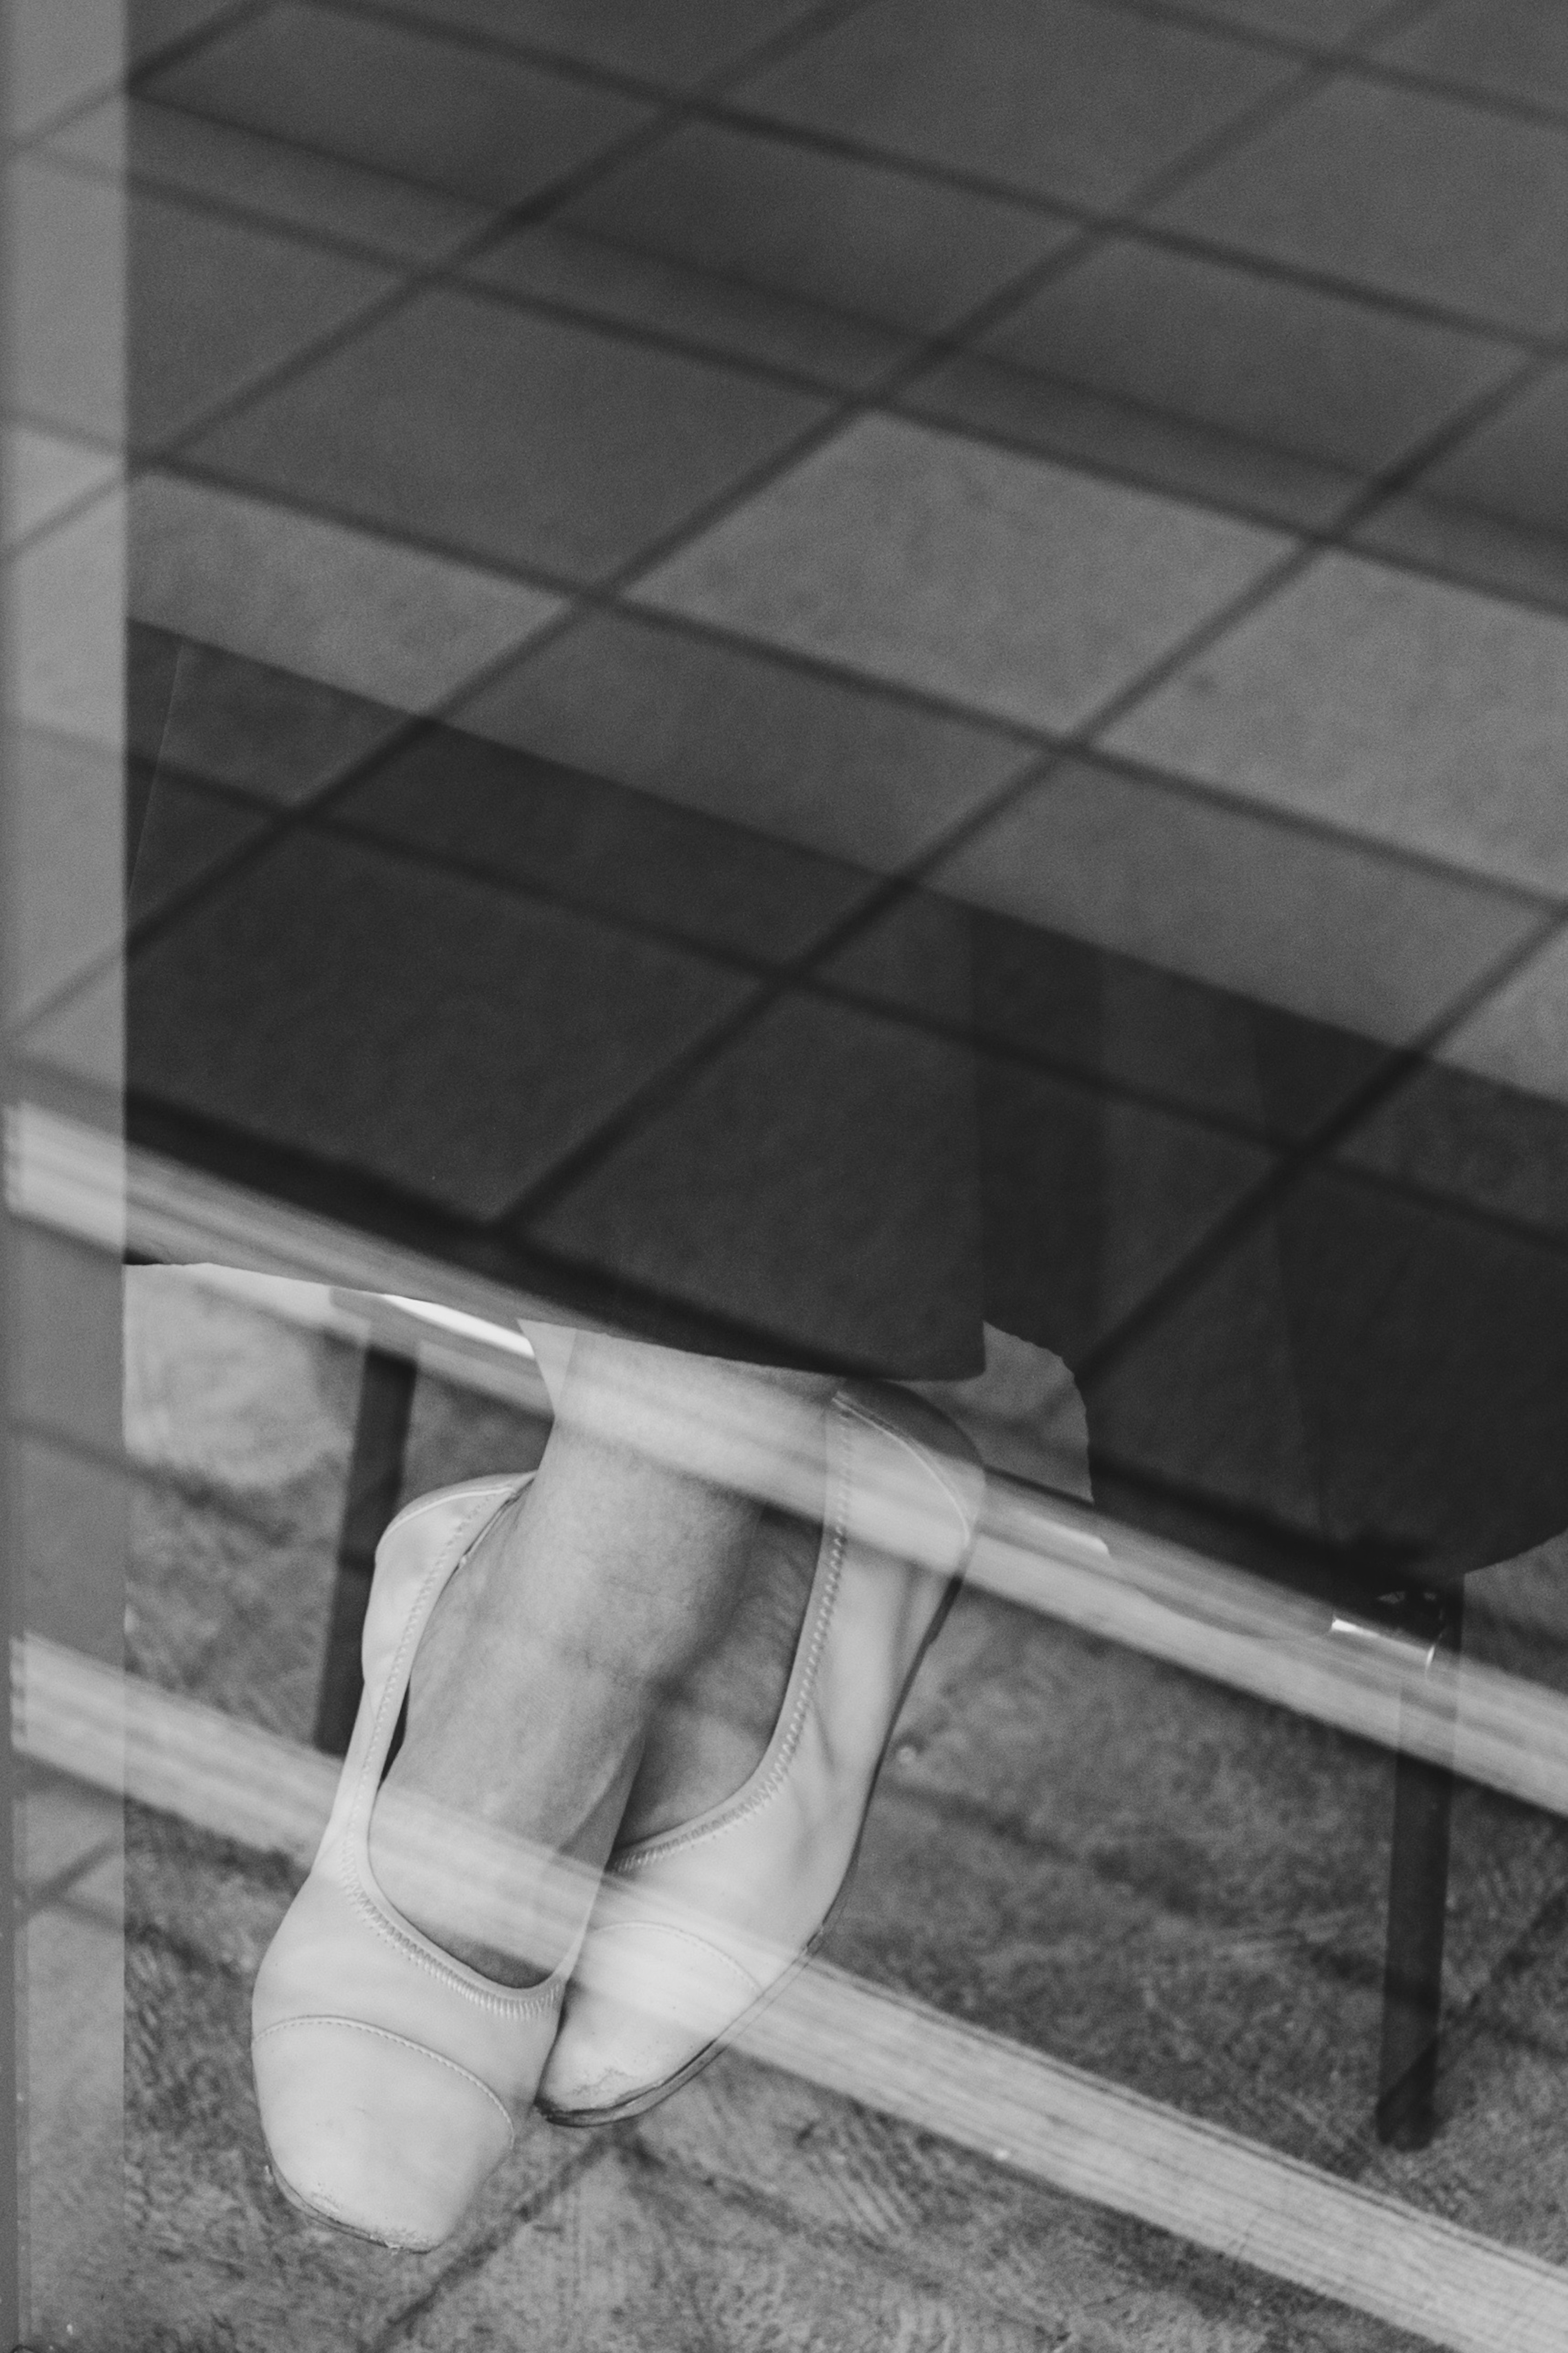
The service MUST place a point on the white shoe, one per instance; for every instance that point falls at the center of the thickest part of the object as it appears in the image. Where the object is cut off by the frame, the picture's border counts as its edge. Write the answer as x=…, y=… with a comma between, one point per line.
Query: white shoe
x=390, y=2078
x=695, y=1930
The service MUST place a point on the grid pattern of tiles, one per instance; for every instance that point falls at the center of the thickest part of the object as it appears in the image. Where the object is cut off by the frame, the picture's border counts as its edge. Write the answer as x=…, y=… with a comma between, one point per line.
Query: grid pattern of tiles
x=1157, y=485
x=1136, y=520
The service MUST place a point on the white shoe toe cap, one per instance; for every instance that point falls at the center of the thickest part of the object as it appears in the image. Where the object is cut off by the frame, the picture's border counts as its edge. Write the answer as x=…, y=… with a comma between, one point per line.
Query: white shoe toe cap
x=645, y=2001
x=373, y=2133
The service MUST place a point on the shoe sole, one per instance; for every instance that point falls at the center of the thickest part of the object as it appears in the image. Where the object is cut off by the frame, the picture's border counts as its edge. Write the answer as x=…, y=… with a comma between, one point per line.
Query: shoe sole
x=638, y=2102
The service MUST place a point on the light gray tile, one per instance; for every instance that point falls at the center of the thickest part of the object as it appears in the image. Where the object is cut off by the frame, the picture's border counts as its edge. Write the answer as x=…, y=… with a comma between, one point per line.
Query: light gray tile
x=84, y=1038
x=1519, y=1037
x=1402, y=192
x=65, y=295
x=45, y=472
x=56, y=57
x=344, y=606
x=61, y=1823
x=68, y=608
x=1059, y=98
x=1336, y=931
x=830, y=768
x=1000, y=581
x=164, y=147
x=64, y=870
x=1402, y=710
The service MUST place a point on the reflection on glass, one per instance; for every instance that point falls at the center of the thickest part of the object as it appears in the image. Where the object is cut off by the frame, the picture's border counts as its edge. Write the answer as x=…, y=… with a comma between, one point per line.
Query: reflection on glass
x=789, y=1338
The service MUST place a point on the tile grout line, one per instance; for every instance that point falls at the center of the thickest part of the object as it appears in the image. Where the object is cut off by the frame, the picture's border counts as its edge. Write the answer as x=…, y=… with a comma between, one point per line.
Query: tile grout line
x=647, y=1101
x=1245, y=135
x=474, y=2258
x=648, y=557
x=873, y=398
x=419, y=278
x=1355, y=52
x=32, y=1901
x=1296, y=1164
x=1124, y=219
x=85, y=102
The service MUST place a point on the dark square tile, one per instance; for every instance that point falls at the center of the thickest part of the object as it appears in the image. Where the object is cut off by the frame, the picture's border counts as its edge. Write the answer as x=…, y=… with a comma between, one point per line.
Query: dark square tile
x=213, y=305
x=813, y=1182
x=1429, y=1354
x=1404, y=192
x=256, y=730
x=861, y=238
x=165, y=148
x=1495, y=509
x=442, y=1039
x=1460, y=1137
x=1091, y=1201
x=1318, y=375
x=669, y=41
x=1509, y=48
x=1107, y=435
x=494, y=129
x=1198, y=1430
x=668, y=299
x=849, y=1179
x=1053, y=96
x=185, y=834
x=1473, y=547
x=152, y=26
x=1340, y=933
x=1319, y=23
x=514, y=438
x=625, y=855
x=835, y=768
x=1066, y=1005
x=66, y=360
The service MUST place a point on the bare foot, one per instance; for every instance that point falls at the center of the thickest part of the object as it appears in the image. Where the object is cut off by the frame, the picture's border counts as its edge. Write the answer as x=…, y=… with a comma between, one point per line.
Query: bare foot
x=712, y=1732
x=606, y=1590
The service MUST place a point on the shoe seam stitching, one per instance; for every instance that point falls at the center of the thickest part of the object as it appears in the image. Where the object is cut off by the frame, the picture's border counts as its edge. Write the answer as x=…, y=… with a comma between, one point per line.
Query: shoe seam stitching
x=681, y=1842
x=532, y=2000
x=404, y=2043
x=927, y=1461
x=686, y=1936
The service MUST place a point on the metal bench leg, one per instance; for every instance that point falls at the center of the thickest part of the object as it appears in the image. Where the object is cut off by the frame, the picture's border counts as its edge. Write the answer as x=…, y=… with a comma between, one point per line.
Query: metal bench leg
x=1417, y=1908
x=375, y=1476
